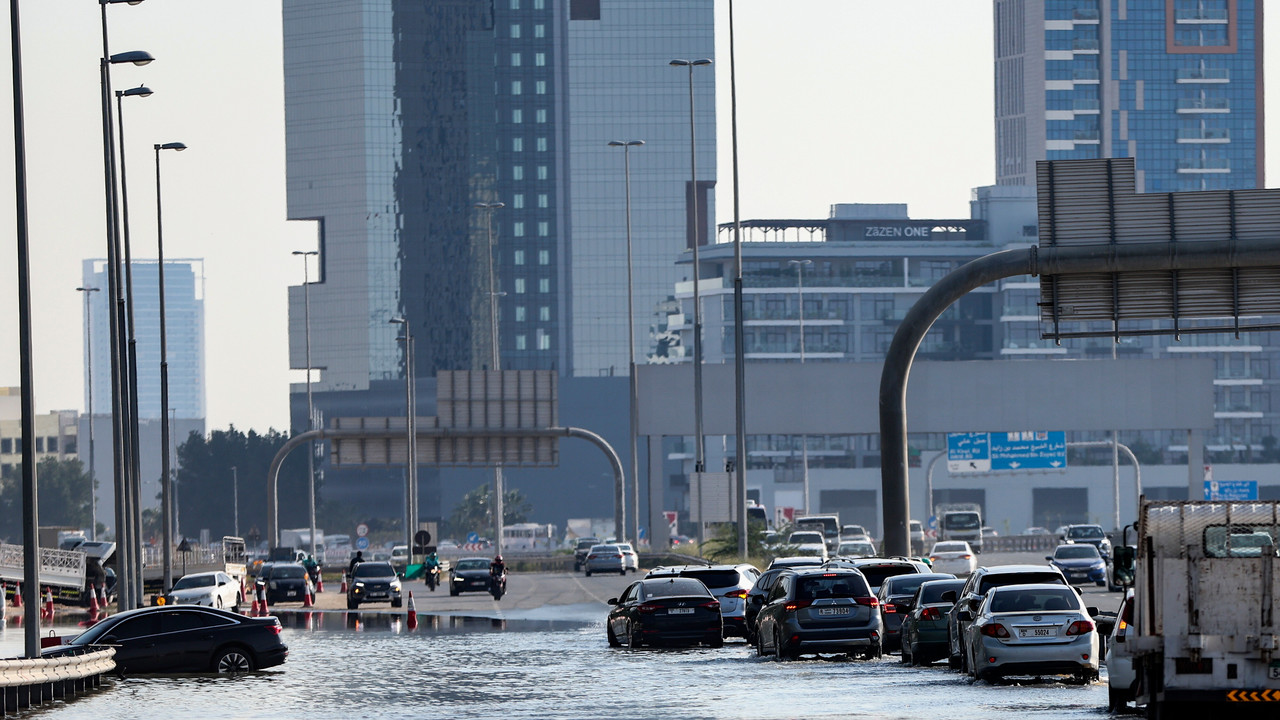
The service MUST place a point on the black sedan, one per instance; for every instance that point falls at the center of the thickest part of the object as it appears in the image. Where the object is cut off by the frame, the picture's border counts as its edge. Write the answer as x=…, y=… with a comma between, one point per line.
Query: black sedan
x=286, y=582
x=668, y=610
x=184, y=639
x=374, y=582
x=469, y=575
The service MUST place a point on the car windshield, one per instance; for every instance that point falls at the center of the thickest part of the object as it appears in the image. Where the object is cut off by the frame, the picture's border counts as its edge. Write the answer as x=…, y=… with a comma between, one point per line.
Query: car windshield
x=472, y=564
x=876, y=574
x=674, y=587
x=586, y=543
x=290, y=572
x=625, y=547
x=374, y=569
x=805, y=538
x=606, y=549
x=931, y=592
x=864, y=549
x=1018, y=578
x=951, y=547
x=1076, y=552
x=194, y=581
x=1085, y=532
x=713, y=578
x=1046, y=600
x=962, y=521
x=831, y=585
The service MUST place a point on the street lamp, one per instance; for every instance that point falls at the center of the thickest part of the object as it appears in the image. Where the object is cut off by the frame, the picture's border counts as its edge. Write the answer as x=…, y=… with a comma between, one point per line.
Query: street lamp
x=804, y=439
x=495, y=361
x=166, y=481
x=411, y=429
x=88, y=354
x=631, y=355
x=311, y=455
x=700, y=460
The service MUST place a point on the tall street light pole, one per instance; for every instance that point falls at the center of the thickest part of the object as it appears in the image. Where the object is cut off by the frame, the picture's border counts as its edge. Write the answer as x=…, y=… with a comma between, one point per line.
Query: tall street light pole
x=166, y=479
x=88, y=364
x=128, y=536
x=411, y=431
x=631, y=353
x=699, y=453
x=235, y=501
x=739, y=327
x=311, y=413
x=804, y=439
x=495, y=362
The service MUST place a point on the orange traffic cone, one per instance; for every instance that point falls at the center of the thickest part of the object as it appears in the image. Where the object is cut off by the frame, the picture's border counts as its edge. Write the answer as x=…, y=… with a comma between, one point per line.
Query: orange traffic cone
x=343, y=589
x=262, y=603
x=253, y=608
x=93, y=602
x=319, y=582
x=102, y=604
x=413, y=613
x=17, y=595
x=306, y=597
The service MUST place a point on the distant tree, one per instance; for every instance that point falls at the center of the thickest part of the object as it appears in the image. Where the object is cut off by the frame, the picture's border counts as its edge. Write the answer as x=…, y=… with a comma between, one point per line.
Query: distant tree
x=723, y=545
x=63, y=498
x=204, y=482
x=475, y=512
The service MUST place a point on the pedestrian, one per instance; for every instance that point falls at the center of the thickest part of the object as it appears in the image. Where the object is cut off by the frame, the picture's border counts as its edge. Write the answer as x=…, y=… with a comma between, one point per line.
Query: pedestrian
x=359, y=558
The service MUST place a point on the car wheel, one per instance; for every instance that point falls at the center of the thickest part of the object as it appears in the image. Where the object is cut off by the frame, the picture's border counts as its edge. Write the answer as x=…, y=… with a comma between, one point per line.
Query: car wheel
x=953, y=662
x=352, y=604
x=633, y=638
x=778, y=651
x=613, y=639
x=453, y=591
x=760, y=651
x=907, y=658
x=716, y=641
x=622, y=572
x=233, y=660
x=217, y=602
x=1116, y=700
x=397, y=603
x=239, y=602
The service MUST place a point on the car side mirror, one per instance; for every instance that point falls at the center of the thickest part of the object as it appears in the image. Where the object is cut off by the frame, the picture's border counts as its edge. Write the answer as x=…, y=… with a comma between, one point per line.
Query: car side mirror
x=1049, y=558
x=949, y=596
x=612, y=601
x=964, y=616
x=1091, y=610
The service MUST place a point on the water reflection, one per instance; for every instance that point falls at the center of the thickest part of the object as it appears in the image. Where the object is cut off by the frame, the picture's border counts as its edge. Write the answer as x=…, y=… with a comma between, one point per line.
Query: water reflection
x=396, y=623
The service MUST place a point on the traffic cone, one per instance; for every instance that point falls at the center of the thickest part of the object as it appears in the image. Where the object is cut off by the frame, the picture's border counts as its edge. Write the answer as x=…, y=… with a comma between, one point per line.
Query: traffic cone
x=343, y=589
x=102, y=604
x=319, y=582
x=262, y=604
x=93, y=602
x=17, y=595
x=306, y=597
x=413, y=613
x=253, y=609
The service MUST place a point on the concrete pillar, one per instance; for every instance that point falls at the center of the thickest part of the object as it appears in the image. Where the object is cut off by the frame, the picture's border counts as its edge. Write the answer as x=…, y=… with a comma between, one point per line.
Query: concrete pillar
x=1195, y=464
x=659, y=534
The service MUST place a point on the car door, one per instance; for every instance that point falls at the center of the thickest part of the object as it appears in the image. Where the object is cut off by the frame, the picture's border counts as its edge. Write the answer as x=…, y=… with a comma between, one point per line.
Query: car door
x=619, y=617
x=955, y=629
x=136, y=639
x=756, y=597
x=186, y=639
x=767, y=620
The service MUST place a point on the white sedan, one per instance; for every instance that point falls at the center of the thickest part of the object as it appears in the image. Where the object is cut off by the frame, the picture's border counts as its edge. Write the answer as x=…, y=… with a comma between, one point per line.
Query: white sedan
x=953, y=556
x=212, y=589
x=630, y=560
x=1032, y=630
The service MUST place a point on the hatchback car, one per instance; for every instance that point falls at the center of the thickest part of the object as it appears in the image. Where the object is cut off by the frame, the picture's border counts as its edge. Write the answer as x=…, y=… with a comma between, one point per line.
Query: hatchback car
x=665, y=610
x=605, y=558
x=819, y=611
x=630, y=560
x=895, y=596
x=953, y=556
x=469, y=575
x=184, y=639
x=728, y=583
x=286, y=582
x=1079, y=563
x=975, y=589
x=1040, y=629
x=374, y=582
x=211, y=589
x=924, y=627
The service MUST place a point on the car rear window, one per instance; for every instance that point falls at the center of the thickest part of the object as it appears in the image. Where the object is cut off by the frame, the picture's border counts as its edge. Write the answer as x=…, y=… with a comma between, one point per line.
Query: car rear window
x=932, y=592
x=816, y=587
x=674, y=587
x=876, y=574
x=1025, y=578
x=1047, y=600
x=907, y=585
x=713, y=578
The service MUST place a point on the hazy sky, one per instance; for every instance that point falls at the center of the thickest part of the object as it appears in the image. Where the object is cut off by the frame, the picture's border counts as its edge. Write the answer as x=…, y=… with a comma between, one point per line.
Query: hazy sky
x=839, y=101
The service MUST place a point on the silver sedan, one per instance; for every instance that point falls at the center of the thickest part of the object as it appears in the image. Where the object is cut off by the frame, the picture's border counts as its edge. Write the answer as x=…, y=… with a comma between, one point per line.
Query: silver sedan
x=605, y=558
x=1032, y=630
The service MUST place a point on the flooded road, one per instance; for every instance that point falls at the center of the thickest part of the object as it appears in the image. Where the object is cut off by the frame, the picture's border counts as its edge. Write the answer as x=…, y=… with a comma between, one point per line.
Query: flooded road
x=553, y=663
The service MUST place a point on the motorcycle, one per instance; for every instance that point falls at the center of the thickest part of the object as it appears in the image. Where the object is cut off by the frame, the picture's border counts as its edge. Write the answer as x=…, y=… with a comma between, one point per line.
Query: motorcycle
x=433, y=577
x=498, y=585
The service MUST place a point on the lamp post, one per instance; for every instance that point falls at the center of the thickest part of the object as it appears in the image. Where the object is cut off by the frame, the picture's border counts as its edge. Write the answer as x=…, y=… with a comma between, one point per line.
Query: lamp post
x=166, y=480
x=411, y=430
x=739, y=343
x=311, y=454
x=88, y=354
x=495, y=361
x=700, y=460
x=235, y=501
x=631, y=352
x=804, y=439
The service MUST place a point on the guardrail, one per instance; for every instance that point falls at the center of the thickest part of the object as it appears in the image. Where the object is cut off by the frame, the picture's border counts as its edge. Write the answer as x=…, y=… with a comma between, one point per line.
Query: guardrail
x=34, y=681
x=1019, y=543
x=60, y=568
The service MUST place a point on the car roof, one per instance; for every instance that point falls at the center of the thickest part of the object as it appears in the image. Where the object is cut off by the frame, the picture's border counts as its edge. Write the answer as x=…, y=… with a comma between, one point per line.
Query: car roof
x=1009, y=569
x=1031, y=586
x=807, y=571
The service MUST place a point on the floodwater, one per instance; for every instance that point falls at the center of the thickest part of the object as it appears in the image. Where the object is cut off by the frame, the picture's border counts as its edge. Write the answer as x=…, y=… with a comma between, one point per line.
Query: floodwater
x=553, y=663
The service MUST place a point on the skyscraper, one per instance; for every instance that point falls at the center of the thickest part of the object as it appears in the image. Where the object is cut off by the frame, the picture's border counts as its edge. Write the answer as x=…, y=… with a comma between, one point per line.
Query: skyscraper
x=1175, y=84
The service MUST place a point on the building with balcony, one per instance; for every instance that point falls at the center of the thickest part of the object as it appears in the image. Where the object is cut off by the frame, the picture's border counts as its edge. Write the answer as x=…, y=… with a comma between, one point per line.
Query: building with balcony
x=1175, y=84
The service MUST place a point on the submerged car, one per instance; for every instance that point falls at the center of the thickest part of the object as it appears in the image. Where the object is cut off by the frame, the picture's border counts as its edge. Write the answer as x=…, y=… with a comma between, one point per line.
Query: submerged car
x=1079, y=563
x=924, y=627
x=469, y=575
x=211, y=589
x=184, y=639
x=661, y=611
x=1032, y=630
x=896, y=595
x=729, y=584
x=819, y=611
x=374, y=582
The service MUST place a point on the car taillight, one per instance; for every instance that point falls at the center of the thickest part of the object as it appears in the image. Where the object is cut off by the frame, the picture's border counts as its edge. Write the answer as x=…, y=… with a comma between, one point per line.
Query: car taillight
x=966, y=556
x=618, y=556
x=739, y=593
x=933, y=558
x=931, y=613
x=868, y=601
x=712, y=604
x=797, y=605
x=890, y=608
x=275, y=627
x=1080, y=627
x=995, y=630
x=649, y=608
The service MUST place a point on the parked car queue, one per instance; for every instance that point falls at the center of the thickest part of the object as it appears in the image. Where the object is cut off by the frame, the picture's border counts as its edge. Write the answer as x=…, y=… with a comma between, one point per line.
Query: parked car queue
x=994, y=622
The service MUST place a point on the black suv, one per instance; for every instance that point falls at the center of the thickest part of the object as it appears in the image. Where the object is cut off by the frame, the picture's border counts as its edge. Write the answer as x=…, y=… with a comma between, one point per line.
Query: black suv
x=581, y=552
x=374, y=582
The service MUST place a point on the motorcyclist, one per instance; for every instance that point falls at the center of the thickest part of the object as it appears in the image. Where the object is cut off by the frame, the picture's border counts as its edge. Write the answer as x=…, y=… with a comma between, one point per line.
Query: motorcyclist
x=431, y=565
x=313, y=568
x=498, y=571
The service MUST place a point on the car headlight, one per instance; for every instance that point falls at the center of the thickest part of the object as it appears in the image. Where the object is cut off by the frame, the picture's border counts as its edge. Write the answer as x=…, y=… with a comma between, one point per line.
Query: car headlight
x=395, y=586
x=360, y=585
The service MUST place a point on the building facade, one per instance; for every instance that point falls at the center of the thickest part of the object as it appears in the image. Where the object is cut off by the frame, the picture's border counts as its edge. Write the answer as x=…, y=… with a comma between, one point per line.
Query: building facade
x=56, y=434
x=407, y=121
x=1175, y=84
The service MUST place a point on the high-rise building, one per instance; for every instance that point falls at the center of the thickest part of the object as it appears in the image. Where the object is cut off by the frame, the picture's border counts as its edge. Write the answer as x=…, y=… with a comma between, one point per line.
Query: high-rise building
x=402, y=117
x=1175, y=84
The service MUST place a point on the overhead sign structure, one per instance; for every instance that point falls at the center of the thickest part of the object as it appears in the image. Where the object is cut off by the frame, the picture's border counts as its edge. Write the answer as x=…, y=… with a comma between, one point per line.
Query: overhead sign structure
x=1231, y=490
x=1018, y=450
x=710, y=497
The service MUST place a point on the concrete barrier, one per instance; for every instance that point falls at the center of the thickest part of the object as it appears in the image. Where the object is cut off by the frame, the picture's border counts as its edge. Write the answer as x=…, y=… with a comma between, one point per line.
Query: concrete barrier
x=27, y=682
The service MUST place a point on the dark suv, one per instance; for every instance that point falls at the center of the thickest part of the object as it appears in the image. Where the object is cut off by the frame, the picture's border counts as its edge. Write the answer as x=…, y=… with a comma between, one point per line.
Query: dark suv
x=374, y=582
x=822, y=610
x=581, y=552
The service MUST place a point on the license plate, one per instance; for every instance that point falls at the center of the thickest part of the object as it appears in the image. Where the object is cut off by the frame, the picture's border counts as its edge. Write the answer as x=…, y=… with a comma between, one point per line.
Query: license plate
x=1037, y=632
x=833, y=611
x=680, y=611
x=291, y=593
x=1273, y=670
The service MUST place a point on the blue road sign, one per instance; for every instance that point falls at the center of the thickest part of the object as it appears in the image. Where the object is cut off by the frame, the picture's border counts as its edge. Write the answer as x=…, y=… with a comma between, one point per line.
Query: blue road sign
x=1231, y=490
x=362, y=543
x=933, y=522
x=473, y=538
x=1029, y=450
x=968, y=452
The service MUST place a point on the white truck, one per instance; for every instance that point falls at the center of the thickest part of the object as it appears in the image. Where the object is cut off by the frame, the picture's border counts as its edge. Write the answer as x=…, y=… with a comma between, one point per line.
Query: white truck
x=960, y=521
x=1203, y=627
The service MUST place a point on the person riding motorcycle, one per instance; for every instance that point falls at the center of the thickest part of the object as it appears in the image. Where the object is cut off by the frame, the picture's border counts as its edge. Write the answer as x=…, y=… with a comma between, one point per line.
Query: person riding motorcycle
x=498, y=572
x=432, y=565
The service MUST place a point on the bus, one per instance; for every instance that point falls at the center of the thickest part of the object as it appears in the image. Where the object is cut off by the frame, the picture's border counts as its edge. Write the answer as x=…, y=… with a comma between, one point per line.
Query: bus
x=528, y=536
